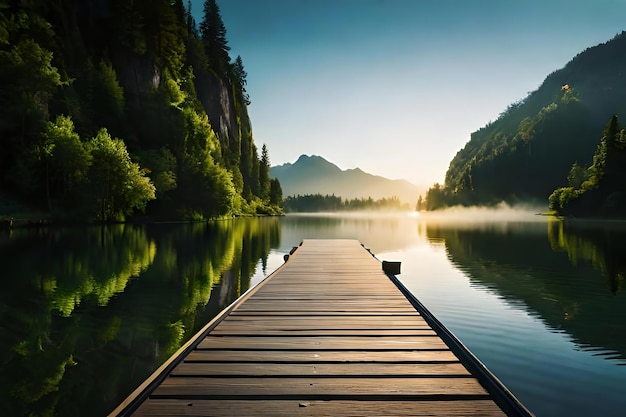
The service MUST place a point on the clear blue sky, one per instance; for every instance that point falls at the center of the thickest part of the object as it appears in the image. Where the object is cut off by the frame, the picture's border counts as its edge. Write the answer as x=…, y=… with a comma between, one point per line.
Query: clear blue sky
x=396, y=87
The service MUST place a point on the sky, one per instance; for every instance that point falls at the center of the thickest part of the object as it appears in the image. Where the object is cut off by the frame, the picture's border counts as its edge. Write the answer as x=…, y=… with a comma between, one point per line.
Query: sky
x=396, y=87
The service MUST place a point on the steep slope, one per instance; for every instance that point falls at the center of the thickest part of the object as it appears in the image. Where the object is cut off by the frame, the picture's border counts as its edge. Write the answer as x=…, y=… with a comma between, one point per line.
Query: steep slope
x=527, y=152
x=315, y=175
x=93, y=84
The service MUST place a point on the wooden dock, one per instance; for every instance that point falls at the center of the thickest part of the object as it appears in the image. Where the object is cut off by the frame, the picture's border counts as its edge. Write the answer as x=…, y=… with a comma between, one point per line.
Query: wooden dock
x=327, y=334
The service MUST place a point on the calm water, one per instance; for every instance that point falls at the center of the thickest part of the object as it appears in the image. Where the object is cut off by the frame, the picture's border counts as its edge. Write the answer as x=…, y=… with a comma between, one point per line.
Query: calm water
x=87, y=314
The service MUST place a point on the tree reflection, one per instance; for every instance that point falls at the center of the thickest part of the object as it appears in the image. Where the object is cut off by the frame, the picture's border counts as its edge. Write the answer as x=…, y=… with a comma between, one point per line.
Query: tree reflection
x=87, y=314
x=600, y=244
x=527, y=268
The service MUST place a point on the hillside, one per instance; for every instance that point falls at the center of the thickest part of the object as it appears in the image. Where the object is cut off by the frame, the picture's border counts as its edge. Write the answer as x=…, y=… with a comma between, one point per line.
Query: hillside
x=527, y=152
x=111, y=109
x=315, y=175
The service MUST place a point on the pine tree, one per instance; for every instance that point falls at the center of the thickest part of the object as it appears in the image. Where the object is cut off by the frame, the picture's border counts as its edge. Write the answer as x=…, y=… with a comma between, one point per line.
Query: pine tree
x=165, y=34
x=276, y=192
x=264, y=173
x=239, y=76
x=604, y=157
x=213, y=35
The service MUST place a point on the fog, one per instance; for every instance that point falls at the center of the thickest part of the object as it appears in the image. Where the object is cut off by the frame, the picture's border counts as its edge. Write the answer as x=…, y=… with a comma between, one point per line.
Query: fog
x=500, y=213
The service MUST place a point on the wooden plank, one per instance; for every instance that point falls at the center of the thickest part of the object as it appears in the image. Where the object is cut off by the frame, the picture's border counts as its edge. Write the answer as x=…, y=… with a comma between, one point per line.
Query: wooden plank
x=308, y=296
x=324, y=326
x=314, y=304
x=294, y=312
x=327, y=323
x=321, y=387
x=324, y=297
x=322, y=343
x=239, y=331
x=299, y=408
x=327, y=318
x=413, y=356
x=384, y=322
x=320, y=369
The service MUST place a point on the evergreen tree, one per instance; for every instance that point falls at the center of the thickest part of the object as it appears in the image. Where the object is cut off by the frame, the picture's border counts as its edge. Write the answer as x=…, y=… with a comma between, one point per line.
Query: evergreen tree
x=165, y=33
x=264, y=173
x=577, y=176
x=276, y=192
x=420, y=204
x=613, y=151
x=129, y=23
x=600, y=189
x=239, y=79
x=213, y=35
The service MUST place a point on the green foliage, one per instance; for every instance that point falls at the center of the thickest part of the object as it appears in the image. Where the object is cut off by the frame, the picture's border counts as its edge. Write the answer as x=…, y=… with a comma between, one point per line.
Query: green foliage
x=107, y=102
x=600, y=189
x=330, y=203
x=117, y=186
x=165, y=32
x=129, y=26
x=213, y=33
x=276, y=192
x=207, y=190
x=140, y=70
x=264, y=173
x=174, y=93
x=67, y=159
x=577, y=176
x=161, y=167
x=200, y=141
x=30, y=67
x=523, y=154
x=561, y=197
x=86, y=297
x=239, y=76
x=27, y=80
x=437, y=197
x=4, y=28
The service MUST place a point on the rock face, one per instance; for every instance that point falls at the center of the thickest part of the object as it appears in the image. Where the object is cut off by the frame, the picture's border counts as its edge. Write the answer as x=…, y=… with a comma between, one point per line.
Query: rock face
x=315, y=175
x=140, y=77
x=216, y=98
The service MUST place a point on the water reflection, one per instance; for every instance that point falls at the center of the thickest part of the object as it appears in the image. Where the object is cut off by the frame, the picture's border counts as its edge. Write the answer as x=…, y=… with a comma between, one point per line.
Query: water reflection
x=568, y=276
x=87, y=314
x=600, y=243
x=378, y=231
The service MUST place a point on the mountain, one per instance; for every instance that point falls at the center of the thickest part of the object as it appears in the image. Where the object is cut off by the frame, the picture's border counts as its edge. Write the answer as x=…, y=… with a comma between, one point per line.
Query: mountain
x=528, y=151
x=315, y=175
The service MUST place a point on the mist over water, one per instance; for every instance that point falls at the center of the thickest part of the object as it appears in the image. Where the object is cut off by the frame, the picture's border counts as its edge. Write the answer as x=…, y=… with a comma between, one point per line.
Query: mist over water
x=500, y=213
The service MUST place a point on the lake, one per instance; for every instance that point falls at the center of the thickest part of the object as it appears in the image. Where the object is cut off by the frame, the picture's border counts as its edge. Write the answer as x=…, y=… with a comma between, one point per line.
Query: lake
x=86, y=314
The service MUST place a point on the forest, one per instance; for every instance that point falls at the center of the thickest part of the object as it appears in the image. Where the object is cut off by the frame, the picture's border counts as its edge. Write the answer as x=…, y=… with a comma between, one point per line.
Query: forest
x=309, y=203
x=600, y=188
x=527, y=152
x=114, y=110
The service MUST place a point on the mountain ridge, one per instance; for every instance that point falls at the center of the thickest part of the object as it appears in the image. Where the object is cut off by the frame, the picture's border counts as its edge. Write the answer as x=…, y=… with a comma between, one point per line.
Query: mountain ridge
x=313, y=174
x=528, y=150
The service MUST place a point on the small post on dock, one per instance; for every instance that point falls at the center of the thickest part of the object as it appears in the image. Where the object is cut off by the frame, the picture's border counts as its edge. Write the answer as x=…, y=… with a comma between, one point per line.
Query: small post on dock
x=391, y=267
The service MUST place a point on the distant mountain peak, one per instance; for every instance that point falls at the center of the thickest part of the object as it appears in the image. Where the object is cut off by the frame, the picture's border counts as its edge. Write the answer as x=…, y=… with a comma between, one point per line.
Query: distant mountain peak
x=302, y=159
x=315, y=175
